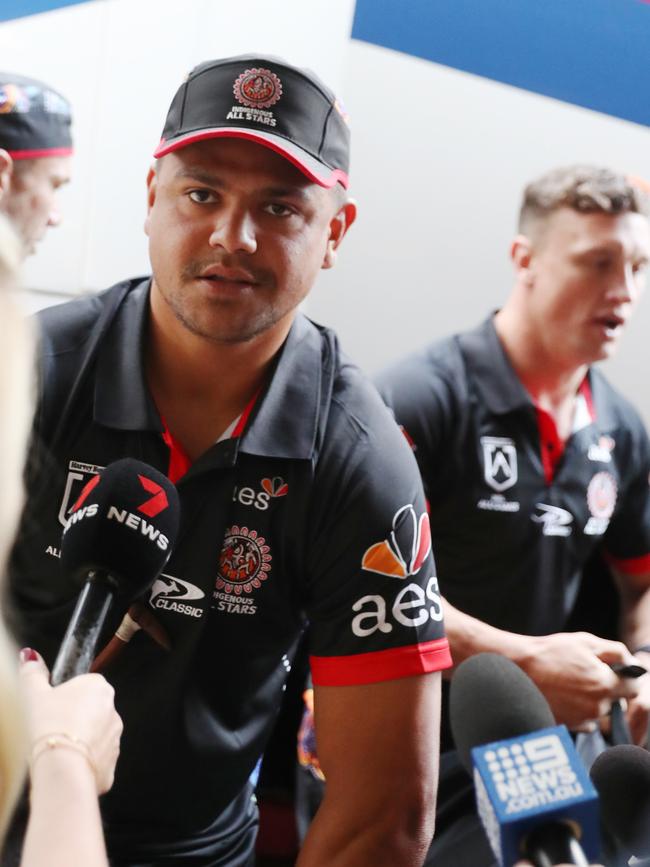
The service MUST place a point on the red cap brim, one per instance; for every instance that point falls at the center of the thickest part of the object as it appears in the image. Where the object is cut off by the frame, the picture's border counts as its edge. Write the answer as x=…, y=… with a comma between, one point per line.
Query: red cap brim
x=316, y=171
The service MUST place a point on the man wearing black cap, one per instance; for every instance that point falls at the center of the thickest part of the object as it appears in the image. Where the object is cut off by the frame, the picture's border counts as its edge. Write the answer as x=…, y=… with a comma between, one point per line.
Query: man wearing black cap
x=300, y=501
x=35, y=149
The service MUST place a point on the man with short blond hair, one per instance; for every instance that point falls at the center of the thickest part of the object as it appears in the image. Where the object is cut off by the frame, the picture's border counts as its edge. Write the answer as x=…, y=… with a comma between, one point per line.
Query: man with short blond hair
x=531, y=461
x=35, y=150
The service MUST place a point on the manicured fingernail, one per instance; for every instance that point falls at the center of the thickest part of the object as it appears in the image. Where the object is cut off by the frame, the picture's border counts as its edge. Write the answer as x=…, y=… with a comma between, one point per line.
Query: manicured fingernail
x=28, y=655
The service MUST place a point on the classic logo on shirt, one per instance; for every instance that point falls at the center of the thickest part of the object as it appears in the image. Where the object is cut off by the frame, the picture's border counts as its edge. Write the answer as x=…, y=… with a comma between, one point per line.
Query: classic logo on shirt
x=601, y=499
x=499, y=462
x=555, y=521
x=602, y=450
x=173, y=594
x=79, y=475
x=244, y=562
x=405, y=550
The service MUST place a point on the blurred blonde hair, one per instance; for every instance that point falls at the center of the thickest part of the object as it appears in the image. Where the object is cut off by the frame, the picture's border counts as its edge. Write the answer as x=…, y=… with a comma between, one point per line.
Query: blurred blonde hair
x=16, y=407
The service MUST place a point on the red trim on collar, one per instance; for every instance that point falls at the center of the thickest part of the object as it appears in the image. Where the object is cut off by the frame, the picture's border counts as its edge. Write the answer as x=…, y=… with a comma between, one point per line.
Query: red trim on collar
x=551, y=446
x=238, y=430
x=40, y=152
x=585, y=391
x=380, y=665
x=179, y=460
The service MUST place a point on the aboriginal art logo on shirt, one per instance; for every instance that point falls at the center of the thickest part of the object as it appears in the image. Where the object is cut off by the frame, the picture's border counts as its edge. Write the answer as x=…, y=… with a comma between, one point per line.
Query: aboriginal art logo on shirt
x=601, y=499
x=257, y=88
x=499, y=462
x=406, y=548
x=244, y=562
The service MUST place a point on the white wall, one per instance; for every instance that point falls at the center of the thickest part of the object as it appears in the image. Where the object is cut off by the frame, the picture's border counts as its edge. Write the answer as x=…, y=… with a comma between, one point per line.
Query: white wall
x=439, y=160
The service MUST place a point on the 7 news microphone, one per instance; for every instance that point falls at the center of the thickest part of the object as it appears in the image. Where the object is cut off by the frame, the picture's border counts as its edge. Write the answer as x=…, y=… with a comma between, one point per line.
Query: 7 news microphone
x=534, y=796
x=119, y=534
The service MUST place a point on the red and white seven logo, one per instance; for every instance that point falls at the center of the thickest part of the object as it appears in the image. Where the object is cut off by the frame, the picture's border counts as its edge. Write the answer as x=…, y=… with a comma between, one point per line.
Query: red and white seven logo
x=156, y=504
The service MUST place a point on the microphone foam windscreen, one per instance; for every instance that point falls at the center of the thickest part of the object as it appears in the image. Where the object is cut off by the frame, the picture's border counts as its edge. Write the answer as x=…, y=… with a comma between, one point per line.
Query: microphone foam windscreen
x=124, y=522
x=492, y=699
x=621, y=776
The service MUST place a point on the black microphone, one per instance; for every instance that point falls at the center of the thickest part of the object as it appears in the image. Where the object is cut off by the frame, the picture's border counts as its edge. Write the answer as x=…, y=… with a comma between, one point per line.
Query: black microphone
x=119, y=534
x=621, y=775
x=534, y=796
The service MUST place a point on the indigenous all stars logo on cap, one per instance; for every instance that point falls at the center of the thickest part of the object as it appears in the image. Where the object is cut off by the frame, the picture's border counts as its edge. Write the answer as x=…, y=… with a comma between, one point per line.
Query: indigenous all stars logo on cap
x=258, y=88
x=244, y=562
x=405, y=550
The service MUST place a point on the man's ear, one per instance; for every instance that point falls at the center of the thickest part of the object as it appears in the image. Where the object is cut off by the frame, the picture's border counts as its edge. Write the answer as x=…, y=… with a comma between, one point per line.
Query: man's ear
x=152, y=183
x=6, y=171
x=521, y=254
x=339, y=224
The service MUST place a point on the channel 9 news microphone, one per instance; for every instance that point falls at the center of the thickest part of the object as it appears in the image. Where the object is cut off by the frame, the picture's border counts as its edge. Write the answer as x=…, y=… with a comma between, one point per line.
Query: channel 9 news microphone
x=534, y=796
x=621, y=776
x=118, y=536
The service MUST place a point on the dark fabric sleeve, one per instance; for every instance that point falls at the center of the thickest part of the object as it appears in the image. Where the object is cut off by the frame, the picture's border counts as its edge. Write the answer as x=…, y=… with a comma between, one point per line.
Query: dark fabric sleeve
x=373, y=602
x=424, y=396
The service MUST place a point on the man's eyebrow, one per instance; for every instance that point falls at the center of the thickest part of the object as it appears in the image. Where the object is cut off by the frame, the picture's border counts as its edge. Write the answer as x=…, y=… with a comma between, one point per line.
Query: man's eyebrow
x=286, y=193
x=200, y=175
x=612, y=246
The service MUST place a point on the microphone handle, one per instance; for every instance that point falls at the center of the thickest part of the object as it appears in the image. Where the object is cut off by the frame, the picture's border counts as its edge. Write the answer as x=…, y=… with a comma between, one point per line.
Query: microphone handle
x=77, y=649
x=554, y=843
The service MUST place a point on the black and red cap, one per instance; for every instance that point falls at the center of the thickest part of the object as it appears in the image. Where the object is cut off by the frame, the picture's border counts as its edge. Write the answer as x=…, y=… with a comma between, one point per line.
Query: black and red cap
x=268, y=101
x=35, y=120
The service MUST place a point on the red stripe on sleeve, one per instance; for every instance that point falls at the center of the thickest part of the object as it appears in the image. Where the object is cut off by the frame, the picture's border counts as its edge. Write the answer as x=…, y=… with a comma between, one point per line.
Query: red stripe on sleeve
x=380, y=665
x=630, y=565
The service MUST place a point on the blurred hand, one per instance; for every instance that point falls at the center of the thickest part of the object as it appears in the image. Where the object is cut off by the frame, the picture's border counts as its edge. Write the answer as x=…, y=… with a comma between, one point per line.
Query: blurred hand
x=573, y=671
x=82, y=708
x=638, y=711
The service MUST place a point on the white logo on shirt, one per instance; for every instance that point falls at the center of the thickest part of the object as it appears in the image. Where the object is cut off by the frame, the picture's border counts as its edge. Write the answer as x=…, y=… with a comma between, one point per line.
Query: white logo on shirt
x=499, y=462
x=556, y=521
x=168, y=592
x=602, y=450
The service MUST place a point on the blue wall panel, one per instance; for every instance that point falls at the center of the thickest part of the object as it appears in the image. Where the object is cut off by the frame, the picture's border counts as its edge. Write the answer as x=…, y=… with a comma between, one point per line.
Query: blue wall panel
x=594, y=53
x=21, y=8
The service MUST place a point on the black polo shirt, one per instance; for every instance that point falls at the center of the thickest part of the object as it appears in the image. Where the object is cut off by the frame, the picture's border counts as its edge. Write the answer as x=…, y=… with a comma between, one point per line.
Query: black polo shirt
x=314, y=512
x=512, y=522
